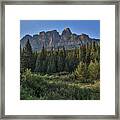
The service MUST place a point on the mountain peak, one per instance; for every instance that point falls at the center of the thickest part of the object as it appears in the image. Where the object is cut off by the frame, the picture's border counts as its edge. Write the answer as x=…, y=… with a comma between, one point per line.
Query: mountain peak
x=66, y=31
x=42, y=32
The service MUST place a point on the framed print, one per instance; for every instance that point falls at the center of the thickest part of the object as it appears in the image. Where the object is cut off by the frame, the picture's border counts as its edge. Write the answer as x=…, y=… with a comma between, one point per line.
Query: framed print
x=59, y=59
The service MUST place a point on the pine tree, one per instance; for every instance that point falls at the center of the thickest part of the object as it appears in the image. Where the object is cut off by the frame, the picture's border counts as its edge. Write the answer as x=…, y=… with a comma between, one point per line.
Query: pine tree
x=94, y=49
x=79, y=53
x=98, y=53
x=61, y=60
x=88, y=51
x=51, y=66
x=69, y=62
x=80, y=71
x=22, y=61
x=94, y=70
x=83, y=53
x=56, y=60
x=74, y=59
x=27, y=59
x=41, y=62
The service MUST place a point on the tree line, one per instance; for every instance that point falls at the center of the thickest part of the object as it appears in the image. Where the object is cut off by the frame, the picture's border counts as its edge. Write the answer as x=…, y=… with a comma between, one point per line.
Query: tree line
x=83, y=61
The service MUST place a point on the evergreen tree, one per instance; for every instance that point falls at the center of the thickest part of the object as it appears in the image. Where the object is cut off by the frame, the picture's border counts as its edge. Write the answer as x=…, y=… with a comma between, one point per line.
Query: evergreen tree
x=69, y=62
x=83, y=53
x=75, y=59
x=51, y=66
x=41, y=62
x=88, y=51
x=56, y=60
x=22, y=61
x=79, y=53
x=27, y=60
x=80, y=71
x=61, y=60
x=94, y=70
x=98, y=53
x=94, y=55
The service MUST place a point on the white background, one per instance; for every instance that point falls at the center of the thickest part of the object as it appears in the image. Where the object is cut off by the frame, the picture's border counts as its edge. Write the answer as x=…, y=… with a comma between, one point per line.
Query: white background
x=106, y=104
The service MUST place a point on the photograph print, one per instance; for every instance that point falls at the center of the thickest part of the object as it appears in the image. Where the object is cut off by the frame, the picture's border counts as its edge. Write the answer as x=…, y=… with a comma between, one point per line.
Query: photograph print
x=60, y=59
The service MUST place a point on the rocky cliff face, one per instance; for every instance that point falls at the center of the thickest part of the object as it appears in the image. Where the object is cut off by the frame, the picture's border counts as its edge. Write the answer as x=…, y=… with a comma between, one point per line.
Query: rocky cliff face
x=54, y=39
x=66, y=35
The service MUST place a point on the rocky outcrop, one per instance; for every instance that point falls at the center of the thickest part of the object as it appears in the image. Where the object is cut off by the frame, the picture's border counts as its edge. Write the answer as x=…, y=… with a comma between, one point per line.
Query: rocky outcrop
x=66, y=35
x=54, y=39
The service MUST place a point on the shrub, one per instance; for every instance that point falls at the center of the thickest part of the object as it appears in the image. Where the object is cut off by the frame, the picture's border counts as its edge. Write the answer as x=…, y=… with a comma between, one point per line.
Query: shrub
x=26, y=75
x=35, y=87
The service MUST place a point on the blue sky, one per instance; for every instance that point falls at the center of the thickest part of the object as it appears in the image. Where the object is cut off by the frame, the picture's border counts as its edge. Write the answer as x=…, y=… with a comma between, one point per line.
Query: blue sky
x=31, y=27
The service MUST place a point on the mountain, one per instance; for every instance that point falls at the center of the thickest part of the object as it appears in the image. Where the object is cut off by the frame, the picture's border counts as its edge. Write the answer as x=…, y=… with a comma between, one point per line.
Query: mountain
x=52, y=38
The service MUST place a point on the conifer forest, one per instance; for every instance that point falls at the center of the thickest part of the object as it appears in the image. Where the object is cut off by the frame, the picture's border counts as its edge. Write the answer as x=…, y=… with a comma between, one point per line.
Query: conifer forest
x=60, y=73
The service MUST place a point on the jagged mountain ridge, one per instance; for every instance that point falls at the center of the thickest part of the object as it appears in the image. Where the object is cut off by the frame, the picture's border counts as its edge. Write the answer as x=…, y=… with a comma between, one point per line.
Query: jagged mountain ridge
x=52, y=38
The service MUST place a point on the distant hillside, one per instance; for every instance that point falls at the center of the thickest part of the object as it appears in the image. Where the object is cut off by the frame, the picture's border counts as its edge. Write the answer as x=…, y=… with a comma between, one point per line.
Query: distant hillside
x=53, y=39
